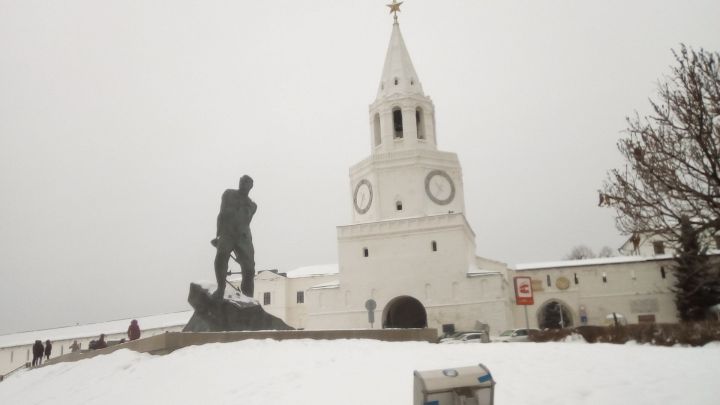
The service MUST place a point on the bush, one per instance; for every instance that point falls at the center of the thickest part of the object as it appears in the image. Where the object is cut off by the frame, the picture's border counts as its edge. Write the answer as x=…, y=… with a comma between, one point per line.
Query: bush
x=661, y=334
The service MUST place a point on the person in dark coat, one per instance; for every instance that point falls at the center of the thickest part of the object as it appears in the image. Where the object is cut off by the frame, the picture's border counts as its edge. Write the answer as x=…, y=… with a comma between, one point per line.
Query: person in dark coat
x=134, y=330
x=48, y=349
x=37, y=353
x=100, y=343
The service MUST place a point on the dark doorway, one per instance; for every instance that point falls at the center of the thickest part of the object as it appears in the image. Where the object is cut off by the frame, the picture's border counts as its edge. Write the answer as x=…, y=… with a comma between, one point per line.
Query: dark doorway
x=404, y=312
x=554, y=315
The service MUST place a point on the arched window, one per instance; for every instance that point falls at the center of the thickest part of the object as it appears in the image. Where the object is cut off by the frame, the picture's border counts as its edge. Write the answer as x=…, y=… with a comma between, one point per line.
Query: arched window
x=419, y=122
x=397, y=123
x=376, y=129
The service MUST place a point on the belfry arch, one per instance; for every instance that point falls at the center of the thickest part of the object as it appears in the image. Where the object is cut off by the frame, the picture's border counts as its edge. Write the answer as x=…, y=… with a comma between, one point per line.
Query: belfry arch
x=404, y=312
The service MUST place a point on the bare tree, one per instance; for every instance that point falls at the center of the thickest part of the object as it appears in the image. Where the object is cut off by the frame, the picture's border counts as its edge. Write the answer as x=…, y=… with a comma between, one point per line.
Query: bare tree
x=580, y=252
x=673, y=155
x=606, y=251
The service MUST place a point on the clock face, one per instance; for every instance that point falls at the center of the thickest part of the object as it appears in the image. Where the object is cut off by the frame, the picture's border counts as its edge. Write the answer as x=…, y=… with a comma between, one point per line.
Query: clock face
x=363, y=196
x=439, y=187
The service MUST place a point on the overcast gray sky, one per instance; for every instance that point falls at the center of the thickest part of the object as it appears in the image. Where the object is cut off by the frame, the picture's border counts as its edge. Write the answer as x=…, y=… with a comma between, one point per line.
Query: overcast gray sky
x=122, y=121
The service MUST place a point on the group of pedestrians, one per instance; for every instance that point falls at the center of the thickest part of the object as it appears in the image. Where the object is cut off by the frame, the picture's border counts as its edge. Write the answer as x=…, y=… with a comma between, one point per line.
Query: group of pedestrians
x=39, y=350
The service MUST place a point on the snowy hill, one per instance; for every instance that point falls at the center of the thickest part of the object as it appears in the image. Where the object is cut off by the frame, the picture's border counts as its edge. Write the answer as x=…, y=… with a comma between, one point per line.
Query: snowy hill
x=372, y=372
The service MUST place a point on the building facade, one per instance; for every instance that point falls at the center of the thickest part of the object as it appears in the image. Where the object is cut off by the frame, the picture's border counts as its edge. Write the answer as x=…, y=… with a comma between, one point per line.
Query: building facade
x=409, y=252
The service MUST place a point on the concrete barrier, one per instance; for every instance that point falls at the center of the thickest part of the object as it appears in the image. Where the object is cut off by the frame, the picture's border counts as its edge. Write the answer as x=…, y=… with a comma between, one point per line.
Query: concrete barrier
x=171, y=341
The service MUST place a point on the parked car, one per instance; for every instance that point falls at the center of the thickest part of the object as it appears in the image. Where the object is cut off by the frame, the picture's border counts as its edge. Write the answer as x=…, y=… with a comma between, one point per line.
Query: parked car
x=467, y=337
x=515, y=335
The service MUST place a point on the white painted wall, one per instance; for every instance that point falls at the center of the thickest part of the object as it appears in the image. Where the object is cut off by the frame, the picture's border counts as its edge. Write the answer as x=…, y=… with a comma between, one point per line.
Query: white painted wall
x=633, y=288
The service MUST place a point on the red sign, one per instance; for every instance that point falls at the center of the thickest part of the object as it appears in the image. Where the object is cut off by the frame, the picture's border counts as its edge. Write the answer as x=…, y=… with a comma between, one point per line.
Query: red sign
x=523, y=291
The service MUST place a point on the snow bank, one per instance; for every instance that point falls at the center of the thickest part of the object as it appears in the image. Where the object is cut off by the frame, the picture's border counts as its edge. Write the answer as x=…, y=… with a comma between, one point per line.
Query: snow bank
x=371, y=372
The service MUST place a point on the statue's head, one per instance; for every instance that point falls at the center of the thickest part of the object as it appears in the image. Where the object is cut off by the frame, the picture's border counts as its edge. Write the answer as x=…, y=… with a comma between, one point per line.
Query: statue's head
x=246, y=183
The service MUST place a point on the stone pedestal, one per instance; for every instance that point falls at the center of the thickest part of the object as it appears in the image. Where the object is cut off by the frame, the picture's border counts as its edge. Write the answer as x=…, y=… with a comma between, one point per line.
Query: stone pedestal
x=228, y=314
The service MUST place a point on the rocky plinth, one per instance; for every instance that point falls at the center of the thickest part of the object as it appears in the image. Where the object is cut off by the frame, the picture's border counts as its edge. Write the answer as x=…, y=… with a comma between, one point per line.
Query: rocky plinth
x=233, y=313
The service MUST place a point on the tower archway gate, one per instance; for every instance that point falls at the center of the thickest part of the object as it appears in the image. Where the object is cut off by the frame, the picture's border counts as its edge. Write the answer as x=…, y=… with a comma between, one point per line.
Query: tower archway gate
x=404, y=312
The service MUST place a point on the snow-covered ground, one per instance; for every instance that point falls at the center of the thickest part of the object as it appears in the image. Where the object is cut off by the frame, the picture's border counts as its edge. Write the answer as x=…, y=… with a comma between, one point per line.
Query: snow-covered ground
x=370, y=372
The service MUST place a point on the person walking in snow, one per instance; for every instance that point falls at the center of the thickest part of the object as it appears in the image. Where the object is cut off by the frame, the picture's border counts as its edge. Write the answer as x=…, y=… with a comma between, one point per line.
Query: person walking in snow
x=48, y=349
x=74, y=347
x=133, y=331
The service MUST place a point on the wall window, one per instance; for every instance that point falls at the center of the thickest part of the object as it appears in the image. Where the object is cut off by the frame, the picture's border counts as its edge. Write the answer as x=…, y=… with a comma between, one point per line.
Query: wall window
x=266, y=298
x=662, y=271
x=549, y=283
x=300, y=297
x=604, y=277
x=398, y=205
x=12, y=356
x=433, y=245
x=366, y=253
x=659, y=247
x=397, y=124
x=576, y=279
x=397, y=81
x=419, y=122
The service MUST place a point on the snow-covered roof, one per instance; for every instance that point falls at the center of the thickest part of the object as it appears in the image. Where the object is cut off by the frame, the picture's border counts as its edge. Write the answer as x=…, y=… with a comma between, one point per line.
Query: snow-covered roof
x=95, y=329
x=481, y=272
x=323, y=286
x=314, y=271
x=589, y=262
x=474, y=271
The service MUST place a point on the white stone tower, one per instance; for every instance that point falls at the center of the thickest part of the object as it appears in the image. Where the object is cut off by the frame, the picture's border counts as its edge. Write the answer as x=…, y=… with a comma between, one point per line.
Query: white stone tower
x=405, y=175
x=409, y=247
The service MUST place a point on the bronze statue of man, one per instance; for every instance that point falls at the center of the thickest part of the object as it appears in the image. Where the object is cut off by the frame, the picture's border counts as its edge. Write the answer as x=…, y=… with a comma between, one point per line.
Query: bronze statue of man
x=233, y=235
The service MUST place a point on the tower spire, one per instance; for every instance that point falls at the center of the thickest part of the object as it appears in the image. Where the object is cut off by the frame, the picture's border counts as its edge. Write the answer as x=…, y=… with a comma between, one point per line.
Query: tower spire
x=398, y=76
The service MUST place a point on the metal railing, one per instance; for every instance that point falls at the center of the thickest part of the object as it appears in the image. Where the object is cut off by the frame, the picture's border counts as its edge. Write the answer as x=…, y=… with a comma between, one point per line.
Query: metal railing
x=3, y=376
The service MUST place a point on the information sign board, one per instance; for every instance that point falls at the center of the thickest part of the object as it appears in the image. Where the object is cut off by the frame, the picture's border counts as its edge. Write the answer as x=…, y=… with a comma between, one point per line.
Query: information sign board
x=523, y=290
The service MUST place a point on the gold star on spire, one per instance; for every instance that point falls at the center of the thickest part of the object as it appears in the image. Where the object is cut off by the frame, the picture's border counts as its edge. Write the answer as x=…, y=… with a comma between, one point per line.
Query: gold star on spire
x=395, y=8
